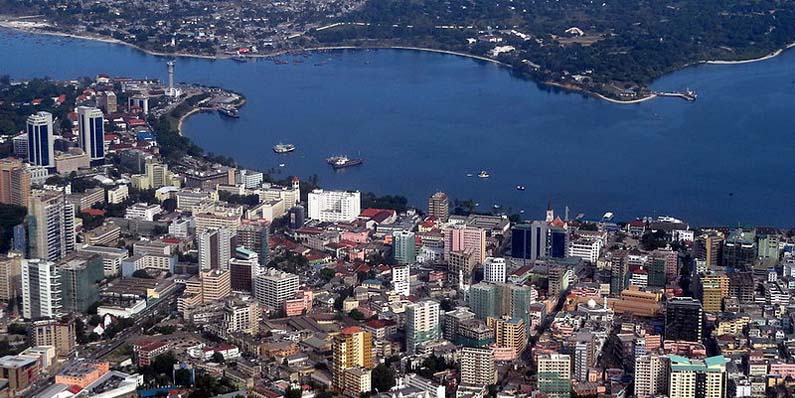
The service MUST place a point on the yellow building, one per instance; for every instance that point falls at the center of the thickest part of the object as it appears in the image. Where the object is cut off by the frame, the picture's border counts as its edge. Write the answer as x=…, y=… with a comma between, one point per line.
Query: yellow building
x=352, y=348
x=509, y=333
x=714, y=289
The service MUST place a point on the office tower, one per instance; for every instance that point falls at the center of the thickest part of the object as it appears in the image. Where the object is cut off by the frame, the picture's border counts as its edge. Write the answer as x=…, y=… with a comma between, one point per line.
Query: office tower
x=684, y=319
x=41, y=143
x=452, y=319
x=296, y=217
x=465, y=238
x=539, y=239
x=215, y=248
x=484, y=300
x=509, y=333
x=516, y=300
x=477, y=367
x=554, y=375
x=656, y=272
x=494, y=270
x=708, y=247
x=51, y=225
x=400, y=280
x=617, y=274
x=112, y=257
x=255, y=235
x=714, y=289
x=700, y=378
x=739, y=250
x=215, y=285
x=334, y=206
x=241, y=315
x=14, y=182
x=41, y=290
x=243, y=268
x=107, y=101
x=59, y=333
x=558, y=240
x=351, y=348
x=474, y=333
x=157, y=175
x=422, y=324
x=439, y=206
x=272, y=287
x=91, y=129
x=80, y=276
x=404, y=247
x=583, y=356
x=19, y=241
x=651, y=376
x=460, y=264
x=10, y=276
x=767, y=248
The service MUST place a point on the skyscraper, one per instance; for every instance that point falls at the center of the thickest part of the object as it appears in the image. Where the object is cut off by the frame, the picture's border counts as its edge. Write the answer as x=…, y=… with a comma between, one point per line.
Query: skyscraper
x=494, y=270
x=10, y=274
x=684, y=319
x=272, y=287
x=651, y=376
x=509, y=333
x=215, y=248
x=484, y=300
x=554, y=375
x=14, y=182
x=352, y=348
x=702, y=378
x=40, y=139
x=463, y=238
x=91, y=128
x=439, y=206
x=60, y=334
x=41, y=290
x=51, y=225
x=243, y=267
x=404, y=247
x=80, y=276
x=254, y=236
x=477, y=367
x=422, y=324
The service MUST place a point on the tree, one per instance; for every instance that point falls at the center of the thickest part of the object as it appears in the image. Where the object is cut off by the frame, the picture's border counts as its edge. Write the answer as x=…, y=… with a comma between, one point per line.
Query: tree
x=17, y=328
x=356, y=314
x=141, y=273
x=293, y=393
x=217, y=357
x=327, y=274
x=182, y=377
x=169, y=205
x=383, y=378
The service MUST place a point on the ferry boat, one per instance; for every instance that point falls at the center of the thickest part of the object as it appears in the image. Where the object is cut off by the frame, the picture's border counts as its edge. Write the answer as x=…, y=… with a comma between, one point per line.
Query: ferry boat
x=283, y=148
x=341, y=162
x=484, y=174
x=228, y=111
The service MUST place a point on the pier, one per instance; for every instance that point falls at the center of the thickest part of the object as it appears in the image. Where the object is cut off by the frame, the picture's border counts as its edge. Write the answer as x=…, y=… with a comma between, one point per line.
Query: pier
x=688, y=94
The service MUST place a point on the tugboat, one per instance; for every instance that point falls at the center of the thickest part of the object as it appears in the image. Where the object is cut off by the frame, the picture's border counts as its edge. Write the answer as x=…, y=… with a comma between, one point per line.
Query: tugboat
x=341, y=162
x=228, y=111
x=484, y=174
x=283, y=148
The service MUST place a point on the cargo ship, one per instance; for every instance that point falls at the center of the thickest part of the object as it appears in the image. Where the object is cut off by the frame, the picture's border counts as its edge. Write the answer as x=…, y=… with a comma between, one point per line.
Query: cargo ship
x=283, y=148
x=341, y=162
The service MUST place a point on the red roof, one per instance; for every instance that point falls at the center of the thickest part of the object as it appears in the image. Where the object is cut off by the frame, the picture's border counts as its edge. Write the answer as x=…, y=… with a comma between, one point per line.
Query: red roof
x=637, y=223
x=351, y=330
x=379, y=323
x=93, y=212
x=74, y=389
x=171, y=240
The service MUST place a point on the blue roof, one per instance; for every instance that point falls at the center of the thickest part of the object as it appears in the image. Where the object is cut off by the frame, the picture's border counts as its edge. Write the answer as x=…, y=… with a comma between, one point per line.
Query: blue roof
x=146, y=136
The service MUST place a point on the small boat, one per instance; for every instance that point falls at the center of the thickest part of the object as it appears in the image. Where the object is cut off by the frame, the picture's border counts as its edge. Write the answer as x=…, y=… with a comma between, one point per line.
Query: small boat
x=240, y=59
x=496, y=206
x=228, y=111
x=281, y=164
x=469, y=174
x=341, y=162
x=283, y=148
x=484, y=174
x=520, y=188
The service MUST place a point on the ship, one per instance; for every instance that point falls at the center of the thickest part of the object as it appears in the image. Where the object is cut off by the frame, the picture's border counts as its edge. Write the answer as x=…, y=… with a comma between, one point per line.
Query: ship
x=228, y=111
x=341, y=162
x=520, y=188
x=484, y=174
x=240, y=59
x=283, y=148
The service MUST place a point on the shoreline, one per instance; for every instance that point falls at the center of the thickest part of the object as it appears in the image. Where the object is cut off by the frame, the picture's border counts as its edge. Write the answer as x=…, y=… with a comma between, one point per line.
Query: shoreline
x=772, y=55
x=193, y=111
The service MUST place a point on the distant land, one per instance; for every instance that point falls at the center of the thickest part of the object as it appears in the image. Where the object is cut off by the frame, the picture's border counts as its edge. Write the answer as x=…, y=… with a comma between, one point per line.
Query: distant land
x=610, y=49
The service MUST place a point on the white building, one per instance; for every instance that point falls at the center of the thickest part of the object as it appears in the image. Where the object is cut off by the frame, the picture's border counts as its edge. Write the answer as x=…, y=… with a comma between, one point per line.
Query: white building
x=41, y=289
x=477, y=367
x=272, y=287
x=400, y=280
x=651, y=376
x=494, y=269
x=249, y=178
x=179, y=228
x=118, y=194
x=142, y=211
x=334, y=206
x=112, y=257
x=91, y=130
x=41, y=141
x=697, y=377
x=215, y=248
x=20, y=143
x=422, y=324
x=587, y=249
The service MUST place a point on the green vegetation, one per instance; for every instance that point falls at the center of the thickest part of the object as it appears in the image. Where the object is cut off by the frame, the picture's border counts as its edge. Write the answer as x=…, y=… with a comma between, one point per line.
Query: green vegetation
x=17, y=328
x=391, y=202
x=383, y=378
x=17, y=102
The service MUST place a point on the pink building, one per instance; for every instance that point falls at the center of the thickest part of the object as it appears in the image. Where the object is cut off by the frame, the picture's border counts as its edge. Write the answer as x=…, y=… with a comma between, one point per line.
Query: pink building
x=302, y=301
x=461, y=238
x=356, y=236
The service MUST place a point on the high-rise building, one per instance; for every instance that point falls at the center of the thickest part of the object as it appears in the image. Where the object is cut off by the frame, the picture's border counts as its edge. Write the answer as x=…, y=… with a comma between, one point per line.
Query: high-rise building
x=243, y=268
x=80, y=275
x=59, y=333
x=14, y=182
x=51, y=225
x=422, y=324
x=708, y=247
x=651, y=376
x=296, y=217
x=739, y=250
x=41, y=289
x=351, y=348
x=404, y=247
x=10, y=277
x=701, y=378
x=539, y=239
x=484, y=300
x=474, y=333
x=494, y=270
x=439, y=206
x=400, y=280
x=272, y=287
x=334, y=206
x=477, y=367
x=460, y=264
x=452, y=319
x=465, y=238
x=41, y=143
x=215, y=248
x=684, y=319
x=254, y=235
x=91, y=129
x=509, y=333
x=714, y=288
x=241, y=315
x=554, y=375
x=112, y=257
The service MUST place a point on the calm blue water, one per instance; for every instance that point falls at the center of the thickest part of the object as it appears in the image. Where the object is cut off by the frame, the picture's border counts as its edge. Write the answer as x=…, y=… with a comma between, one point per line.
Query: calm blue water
x=423, y=121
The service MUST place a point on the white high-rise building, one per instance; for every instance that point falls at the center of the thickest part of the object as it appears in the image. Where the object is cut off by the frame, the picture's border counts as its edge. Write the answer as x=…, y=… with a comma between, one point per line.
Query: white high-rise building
x=477, y=367
x=494, y=269
x=41, y=289
x=40, y=139
x=215, y=248
x=651, y=375
x=704, y=378
x=272, y=287
x=91, y=127
x=554, y=375
x=400, y=280
x=332, y=206
x=422, y=324
x=51, y=225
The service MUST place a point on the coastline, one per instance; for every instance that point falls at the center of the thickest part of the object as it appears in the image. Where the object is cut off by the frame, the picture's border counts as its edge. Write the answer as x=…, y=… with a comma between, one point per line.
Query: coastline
x=772, y=55
x=193, y=111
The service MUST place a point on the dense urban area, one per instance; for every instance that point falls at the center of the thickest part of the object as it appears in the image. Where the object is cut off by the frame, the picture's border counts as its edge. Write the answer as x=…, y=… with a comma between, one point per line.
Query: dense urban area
x=137, y=265
x=613, y=49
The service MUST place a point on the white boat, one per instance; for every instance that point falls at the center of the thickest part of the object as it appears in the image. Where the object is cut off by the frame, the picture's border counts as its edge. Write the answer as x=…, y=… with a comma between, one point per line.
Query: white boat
x=283, y=148
x=483, y=174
